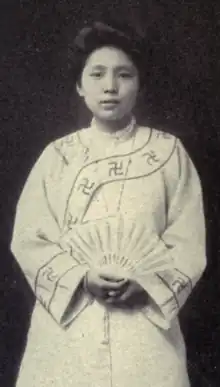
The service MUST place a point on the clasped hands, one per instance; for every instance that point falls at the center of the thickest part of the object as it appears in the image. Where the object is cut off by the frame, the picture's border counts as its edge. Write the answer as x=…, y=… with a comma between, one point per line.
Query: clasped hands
x=114, y=289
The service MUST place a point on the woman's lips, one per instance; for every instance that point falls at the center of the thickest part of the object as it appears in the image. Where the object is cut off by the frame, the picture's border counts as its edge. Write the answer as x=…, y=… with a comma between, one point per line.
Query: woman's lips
x=109, y=103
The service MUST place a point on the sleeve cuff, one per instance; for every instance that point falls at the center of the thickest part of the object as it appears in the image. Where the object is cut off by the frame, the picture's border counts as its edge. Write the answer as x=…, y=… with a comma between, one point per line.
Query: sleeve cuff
x=69, y=299
x=58, y=288
x=162, y=307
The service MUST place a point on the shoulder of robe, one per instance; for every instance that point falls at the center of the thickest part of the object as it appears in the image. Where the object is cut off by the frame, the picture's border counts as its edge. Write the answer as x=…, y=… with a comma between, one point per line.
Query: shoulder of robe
x=158, y=140
x=67, y=147
x=168, y=148
x=152, y=133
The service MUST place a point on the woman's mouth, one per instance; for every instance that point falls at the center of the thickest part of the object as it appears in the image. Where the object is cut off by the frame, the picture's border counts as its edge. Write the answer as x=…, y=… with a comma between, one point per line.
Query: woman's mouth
x=110, y=103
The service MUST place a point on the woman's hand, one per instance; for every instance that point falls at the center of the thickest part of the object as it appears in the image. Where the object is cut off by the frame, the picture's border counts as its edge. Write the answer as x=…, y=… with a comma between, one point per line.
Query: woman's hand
x=132, y=295
x=102, y=285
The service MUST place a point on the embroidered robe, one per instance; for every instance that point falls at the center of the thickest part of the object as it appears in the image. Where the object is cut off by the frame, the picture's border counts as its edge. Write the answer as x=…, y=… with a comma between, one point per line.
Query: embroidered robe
x=145, y=194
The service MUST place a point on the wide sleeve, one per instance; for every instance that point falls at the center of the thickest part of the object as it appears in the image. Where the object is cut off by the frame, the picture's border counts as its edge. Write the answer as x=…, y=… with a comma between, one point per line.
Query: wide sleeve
x=53, y=274
x=183, y=242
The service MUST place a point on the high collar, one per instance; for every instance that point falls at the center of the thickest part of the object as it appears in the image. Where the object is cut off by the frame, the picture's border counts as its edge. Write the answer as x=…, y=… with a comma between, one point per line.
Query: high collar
x=120, y=135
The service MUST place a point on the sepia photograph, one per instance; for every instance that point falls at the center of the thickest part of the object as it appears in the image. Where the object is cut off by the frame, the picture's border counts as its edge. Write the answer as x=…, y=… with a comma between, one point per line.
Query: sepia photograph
x=110, y=232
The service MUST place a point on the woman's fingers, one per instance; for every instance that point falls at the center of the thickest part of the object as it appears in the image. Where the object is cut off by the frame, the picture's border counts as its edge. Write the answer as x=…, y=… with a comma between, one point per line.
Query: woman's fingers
x=126, y=295
x=112, y=278
x=105, y=286
x=111, y=285
x=133, y=298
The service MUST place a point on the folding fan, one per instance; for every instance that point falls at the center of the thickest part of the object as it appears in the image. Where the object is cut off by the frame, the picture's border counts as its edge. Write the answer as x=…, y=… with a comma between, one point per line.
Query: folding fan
x=117, y=245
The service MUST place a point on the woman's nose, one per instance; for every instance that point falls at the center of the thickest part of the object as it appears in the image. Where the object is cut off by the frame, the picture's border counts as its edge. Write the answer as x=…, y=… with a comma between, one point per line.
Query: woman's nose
x=110, y=84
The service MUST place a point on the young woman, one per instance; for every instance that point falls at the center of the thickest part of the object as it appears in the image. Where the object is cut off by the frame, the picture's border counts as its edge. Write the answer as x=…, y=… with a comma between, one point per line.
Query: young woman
x=110, y=234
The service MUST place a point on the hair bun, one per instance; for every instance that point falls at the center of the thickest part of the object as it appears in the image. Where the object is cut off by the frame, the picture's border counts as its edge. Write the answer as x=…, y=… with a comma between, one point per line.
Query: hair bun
x=98, y=34
x=103, y=33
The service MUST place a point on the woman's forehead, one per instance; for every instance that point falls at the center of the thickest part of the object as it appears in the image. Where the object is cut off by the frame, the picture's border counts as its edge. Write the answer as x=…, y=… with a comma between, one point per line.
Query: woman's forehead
x=109, y=56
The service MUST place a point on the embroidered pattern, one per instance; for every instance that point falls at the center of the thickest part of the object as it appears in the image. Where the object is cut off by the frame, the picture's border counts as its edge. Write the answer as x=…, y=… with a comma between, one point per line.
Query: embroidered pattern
x=86, y=186
x=116, y=168
x=151, y=157
x=68, y=147
x=49, y=275
x=178, y=283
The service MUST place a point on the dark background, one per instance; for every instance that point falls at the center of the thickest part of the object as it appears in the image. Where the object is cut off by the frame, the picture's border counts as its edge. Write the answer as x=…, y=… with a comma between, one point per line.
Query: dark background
x=37, y=106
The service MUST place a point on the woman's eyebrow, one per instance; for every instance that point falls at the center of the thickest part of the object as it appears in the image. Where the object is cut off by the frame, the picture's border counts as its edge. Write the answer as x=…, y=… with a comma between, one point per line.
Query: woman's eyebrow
x=121, y=67
x=125, y=67
x=98, y=67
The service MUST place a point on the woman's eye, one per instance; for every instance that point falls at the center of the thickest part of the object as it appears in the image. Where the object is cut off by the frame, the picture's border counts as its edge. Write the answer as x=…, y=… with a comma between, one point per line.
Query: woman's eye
x=96, y=75
x=125, y=75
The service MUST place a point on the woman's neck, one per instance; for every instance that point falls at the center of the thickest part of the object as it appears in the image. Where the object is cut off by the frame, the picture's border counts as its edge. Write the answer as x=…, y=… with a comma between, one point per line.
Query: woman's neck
x=112, y=126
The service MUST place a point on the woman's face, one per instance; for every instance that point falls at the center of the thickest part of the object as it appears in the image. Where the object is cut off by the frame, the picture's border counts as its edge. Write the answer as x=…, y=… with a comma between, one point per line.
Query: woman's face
x=109, y=84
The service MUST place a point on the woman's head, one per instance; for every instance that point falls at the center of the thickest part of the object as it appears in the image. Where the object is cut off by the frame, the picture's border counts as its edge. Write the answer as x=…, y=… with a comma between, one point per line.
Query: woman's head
x=108, y=67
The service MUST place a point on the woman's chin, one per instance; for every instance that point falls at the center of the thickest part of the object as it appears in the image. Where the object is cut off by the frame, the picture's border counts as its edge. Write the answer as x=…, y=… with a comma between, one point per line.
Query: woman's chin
x=109, y=115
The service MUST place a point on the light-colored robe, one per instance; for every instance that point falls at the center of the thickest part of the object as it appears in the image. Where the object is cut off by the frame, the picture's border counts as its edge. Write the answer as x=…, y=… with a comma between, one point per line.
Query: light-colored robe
x=82, y=186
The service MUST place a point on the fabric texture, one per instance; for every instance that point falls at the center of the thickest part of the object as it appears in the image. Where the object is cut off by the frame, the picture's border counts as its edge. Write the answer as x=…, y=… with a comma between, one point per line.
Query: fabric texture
x=133, y=201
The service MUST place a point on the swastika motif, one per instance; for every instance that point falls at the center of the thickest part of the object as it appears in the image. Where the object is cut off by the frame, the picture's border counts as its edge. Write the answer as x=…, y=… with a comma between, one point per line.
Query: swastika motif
x=151, y=157
x=86, y=186
x=49, y=274
x=116, y=168
x=178, y=285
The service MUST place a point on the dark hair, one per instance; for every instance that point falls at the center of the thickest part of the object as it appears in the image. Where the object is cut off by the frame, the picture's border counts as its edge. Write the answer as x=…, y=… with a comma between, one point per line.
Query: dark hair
x=98, y=35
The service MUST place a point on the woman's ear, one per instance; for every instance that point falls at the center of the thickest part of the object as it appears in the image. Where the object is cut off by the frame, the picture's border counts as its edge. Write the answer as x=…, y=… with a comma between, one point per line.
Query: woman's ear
x=79, y=90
